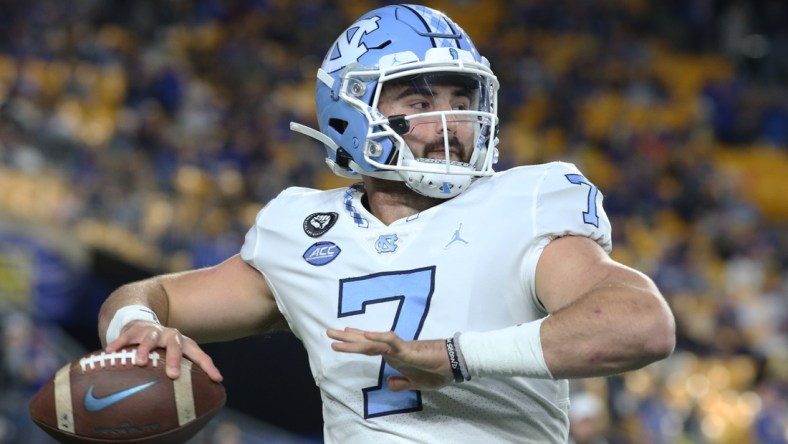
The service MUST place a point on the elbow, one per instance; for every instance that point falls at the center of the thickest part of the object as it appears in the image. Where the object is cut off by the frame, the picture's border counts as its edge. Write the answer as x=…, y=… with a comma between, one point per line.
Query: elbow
x=660, y=337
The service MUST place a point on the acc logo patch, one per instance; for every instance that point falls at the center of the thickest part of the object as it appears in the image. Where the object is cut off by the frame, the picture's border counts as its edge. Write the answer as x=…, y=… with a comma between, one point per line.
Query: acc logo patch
x=321, y=253
x=317, y=224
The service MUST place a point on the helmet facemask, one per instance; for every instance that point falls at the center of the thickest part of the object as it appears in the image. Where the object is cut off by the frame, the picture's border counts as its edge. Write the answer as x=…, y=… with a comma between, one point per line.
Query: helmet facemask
x=386, y=150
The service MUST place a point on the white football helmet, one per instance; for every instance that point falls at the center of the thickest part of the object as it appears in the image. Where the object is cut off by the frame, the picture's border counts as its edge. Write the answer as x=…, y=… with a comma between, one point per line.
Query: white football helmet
x=403, y=43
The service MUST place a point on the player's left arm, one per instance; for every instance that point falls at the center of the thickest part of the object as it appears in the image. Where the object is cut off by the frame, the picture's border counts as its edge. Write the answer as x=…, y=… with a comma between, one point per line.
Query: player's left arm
x=605, y=317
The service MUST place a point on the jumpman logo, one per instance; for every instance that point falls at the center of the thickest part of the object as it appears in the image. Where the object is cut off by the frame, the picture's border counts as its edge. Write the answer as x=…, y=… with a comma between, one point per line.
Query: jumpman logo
x=456, y=237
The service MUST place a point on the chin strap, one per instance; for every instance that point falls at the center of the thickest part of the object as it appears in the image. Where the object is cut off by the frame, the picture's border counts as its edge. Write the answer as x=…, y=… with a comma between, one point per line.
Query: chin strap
x=322, y=138
x=315, y=134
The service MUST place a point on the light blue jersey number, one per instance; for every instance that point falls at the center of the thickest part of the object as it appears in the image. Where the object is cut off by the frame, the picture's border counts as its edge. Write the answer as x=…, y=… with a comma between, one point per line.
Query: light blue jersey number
x=411, y=290
x=590, y=216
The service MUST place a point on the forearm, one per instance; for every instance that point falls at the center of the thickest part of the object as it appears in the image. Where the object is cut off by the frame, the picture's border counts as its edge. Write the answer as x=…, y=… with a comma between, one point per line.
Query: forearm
x=612, y=329
x=615, y=327
x=219, y=303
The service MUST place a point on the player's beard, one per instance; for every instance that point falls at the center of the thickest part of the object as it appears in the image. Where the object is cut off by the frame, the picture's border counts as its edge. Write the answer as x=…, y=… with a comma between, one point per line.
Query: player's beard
x=455, y=145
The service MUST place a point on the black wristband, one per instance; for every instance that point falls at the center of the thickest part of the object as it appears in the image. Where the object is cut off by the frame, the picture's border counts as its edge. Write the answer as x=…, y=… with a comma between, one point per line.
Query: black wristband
x=454, y=363
x=458, y=351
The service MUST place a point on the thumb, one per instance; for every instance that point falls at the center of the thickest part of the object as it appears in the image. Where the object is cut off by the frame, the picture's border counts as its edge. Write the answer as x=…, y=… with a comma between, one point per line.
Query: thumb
x=398, y=383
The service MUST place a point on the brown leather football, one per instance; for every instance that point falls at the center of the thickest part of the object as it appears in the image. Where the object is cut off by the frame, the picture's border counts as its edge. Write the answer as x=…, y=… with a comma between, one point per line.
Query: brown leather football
x=104, y=397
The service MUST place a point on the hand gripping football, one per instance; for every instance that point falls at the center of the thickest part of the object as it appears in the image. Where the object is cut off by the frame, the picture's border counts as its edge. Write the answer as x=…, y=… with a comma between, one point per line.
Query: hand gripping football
x=105, y=397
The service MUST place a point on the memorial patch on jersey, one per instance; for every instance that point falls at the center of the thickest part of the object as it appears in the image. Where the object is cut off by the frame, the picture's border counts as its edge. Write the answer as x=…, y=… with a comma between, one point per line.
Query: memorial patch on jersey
x=317, y=224
x=321, y=253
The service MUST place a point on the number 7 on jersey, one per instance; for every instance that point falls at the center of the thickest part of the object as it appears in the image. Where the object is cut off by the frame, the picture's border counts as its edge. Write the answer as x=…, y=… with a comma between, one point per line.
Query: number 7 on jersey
x=412, y=291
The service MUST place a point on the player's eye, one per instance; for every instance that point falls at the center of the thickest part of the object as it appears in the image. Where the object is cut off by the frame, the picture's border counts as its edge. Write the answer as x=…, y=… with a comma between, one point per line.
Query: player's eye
x=420, y=105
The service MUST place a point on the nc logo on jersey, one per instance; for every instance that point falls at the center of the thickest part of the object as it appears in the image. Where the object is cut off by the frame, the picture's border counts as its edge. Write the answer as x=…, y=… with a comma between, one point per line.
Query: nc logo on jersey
x=321, y=253
x=317, y=224
x=386, y=243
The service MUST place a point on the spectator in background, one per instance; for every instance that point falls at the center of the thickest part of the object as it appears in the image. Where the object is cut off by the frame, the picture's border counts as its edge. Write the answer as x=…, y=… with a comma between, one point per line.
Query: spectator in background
x=588, y=422
x=26, y=362
x=566, y=66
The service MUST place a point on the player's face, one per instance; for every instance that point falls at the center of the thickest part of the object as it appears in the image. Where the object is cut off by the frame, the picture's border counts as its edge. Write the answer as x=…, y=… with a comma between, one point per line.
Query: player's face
x=425, y=136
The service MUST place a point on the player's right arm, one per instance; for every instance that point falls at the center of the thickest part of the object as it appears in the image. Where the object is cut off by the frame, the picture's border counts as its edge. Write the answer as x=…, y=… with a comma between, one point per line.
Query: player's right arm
x=223, y=302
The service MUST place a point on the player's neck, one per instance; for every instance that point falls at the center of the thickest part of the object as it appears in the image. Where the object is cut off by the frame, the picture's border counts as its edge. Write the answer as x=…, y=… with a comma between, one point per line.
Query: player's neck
x=391, y=200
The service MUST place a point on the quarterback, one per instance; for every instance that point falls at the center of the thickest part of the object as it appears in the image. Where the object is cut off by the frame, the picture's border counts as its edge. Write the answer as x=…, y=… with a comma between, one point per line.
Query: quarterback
x=438, y=300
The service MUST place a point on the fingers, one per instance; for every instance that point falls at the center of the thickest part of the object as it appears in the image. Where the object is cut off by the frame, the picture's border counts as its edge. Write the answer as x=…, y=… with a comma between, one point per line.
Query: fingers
x=417, y=381
x=174, y=348
x=148, y=343
x=199, y=357
x=148, y=336
x=418, y=362
x=142, y=334
x=387, y=337
x=350, y=334
x=116, y=345
x=398, y=383
x=346, y=335
x=179, y=346
x=352, y=340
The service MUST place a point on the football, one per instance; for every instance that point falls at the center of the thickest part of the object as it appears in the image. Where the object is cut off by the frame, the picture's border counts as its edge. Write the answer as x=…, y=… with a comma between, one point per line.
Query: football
x=104, y=397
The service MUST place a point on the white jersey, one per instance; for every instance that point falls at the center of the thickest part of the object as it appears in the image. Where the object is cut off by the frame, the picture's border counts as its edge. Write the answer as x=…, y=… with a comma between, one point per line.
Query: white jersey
x=467, y=264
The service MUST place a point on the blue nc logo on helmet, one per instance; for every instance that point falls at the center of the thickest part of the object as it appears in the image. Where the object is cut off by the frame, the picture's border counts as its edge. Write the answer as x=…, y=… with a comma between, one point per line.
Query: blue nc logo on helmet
x=348, y=47
x=321, y=253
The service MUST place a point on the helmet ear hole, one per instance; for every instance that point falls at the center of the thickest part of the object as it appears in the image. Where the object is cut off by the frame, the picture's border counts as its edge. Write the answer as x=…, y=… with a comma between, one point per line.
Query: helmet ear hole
x=339, y=125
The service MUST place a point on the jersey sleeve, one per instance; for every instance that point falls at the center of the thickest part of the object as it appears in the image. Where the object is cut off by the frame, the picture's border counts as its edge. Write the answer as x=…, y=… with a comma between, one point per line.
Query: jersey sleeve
x=566, y=203
x=251, y=246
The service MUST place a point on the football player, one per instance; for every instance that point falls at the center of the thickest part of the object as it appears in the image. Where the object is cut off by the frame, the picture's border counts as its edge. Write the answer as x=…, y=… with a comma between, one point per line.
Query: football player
x=438, y=300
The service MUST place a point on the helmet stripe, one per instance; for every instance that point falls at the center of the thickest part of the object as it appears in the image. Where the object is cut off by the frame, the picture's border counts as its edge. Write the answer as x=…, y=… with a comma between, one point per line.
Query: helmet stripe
x=437, y=24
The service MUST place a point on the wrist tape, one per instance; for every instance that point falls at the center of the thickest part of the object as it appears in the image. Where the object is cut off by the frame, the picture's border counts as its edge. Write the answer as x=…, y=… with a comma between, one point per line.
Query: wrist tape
x=511, y=351
x=126, y=314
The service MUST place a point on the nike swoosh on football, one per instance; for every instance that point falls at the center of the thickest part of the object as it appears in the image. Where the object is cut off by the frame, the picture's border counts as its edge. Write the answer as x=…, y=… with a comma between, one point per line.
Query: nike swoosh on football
x=93, y=404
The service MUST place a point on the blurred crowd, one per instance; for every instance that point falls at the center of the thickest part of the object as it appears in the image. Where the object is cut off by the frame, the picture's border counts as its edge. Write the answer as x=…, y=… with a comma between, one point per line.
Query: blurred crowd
x=155, y=130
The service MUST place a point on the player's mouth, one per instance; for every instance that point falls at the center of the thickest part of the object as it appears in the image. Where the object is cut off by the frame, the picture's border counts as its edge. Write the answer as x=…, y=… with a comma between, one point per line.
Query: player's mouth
x=438, y=151
x=441, y=155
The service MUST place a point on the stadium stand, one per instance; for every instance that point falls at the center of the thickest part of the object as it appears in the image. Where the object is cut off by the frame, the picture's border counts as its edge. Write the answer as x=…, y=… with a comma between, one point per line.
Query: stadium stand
x=151, y=132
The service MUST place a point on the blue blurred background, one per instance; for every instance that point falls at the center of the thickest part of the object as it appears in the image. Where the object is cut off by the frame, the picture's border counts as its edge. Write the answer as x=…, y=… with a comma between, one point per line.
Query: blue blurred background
x=142, y=137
